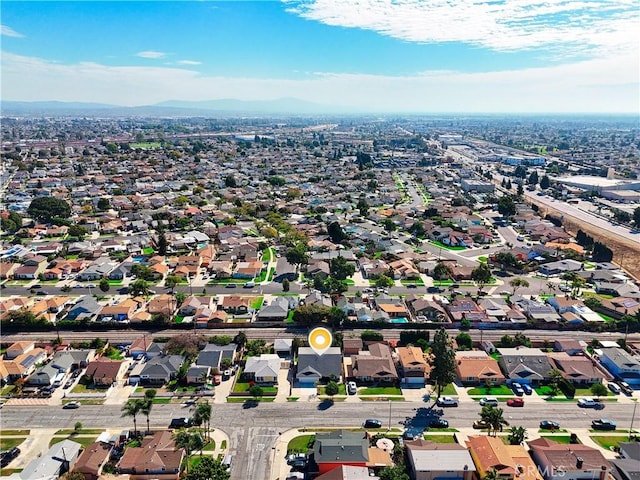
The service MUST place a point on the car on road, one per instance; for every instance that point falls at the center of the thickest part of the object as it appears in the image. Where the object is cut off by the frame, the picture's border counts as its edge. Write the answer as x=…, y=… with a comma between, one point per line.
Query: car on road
x=438, y=423
x=564, y=288
x=588, y=402
x=249, y=285
x=71, y=405
x=42, y=292
x=230, y=285
x=549, y=425
x=515, y=402
x=527, y=389
x=181, y=422
x=35, y=287
x=372, y=423
x=412, y=285
x=435, y=290
x=493, y=401
x=603, y=424
x=447, y=402
x=486, y=247
x=625, y=387
x=352, y=388
x=480, y=424
x=505, y=292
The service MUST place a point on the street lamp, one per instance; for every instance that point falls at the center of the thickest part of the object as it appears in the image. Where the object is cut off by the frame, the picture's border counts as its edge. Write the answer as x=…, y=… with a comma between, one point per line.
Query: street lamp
x=633, y=416
x=390, y=402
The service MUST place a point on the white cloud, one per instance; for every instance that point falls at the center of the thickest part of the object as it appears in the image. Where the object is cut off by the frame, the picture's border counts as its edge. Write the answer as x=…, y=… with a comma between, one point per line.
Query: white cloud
x=600, y=85
x=568, y=26
x=151, y=54
x=6, y=31
x=188, y=62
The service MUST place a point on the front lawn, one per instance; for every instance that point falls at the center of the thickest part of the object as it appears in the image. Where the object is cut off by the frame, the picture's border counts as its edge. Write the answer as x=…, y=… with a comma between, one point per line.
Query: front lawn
x=256, y=304
x=380, y=391
x=586, y=392
x=242, y=387
x=564, y=439
x=608, y=441
x=342, y=390
x=301, y=444
x=547, y=391
x=496, y=390
x=446, y=247
x=441, y=438
x=449, y=390
x=9, y=443
x=84, y=441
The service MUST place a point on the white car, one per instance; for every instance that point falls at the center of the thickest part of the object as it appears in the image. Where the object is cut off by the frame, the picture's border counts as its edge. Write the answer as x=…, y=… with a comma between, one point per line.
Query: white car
x=489, y=401
x=590, y=403
x=447, y=402
x=352, y=388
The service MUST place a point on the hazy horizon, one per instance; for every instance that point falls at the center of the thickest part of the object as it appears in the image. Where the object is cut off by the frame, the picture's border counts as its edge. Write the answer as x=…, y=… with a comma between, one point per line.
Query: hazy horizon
x=366, y=56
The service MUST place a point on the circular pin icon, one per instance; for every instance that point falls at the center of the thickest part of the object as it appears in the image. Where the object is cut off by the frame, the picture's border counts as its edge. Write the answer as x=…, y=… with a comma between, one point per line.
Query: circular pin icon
x=320, y=340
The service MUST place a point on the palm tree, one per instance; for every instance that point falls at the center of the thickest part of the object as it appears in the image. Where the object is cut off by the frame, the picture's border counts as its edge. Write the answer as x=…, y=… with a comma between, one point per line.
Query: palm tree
x=517, y=435
x=203, y=412
x=188, y=440
x=147, y=404
x=517, y=283
x=551, y=287
x=131, y=409
x=494, y=417
x=491, y=474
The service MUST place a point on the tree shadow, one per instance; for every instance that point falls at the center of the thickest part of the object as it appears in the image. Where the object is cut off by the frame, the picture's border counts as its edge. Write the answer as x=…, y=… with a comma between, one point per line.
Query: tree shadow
x=325, y=404
x=250, y=404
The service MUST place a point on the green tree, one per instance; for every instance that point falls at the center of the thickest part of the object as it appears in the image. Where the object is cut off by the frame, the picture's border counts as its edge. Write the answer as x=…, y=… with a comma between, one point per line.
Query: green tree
x=203, y=414
x=441, y=271
x=442, y=361
x=332, y=389
x=494, y=417
x=131, y=409
x=465, y=341
x=77, y=427
x=147, y=405
x=104, y=204
x=256, y=391
x=139, y=288
x=43, y=209
x=240, y=339
x=230, y=181
x=297, y=255
x=208, y=469
x=481, y=275
x=363, y=207
x=104, y=285
x=388, y=225
x=397, y=472
x=598, y=390
x=383, y=282
x=162, y=243
x=506, y=206
x=545, y=182
x=491, y=474
x=286, y=285
x=77, y=231
x=189, y=440
x=171, y=281
x=341, y=269
x=517, y=435
x=555, y=378
x=517, y=283
x=335, y=232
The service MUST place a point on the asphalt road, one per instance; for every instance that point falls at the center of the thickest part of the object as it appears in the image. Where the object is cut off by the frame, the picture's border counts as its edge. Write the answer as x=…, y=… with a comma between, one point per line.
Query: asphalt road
x=253, y=431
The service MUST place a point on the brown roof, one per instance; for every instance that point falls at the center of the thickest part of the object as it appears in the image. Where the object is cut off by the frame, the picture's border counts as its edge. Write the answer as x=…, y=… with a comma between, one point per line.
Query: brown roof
x=488, y=452
x=564, y=457
x=157, y=451
x=104, y=368
x=480, y=368
x=411, y=356
x=92, y=458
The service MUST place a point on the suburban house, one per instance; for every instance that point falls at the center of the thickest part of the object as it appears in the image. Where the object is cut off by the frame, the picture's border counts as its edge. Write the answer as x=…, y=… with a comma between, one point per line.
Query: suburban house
x=22, y=365
x=263, y=369
x=627, y=467
x=312, y=367
x=119, y=312
x=214, y=355
x=198, y=374
x=59, y=459
x=192, y=304
x=61, y=364
x=512, y=462
x=92, y=459
x=525, y=365
x=159, y=370
x=341, y=447
x=351, y=346
x=235, y=304
x=477, y=368
x=569, y=346
x=412, y=366
x=621, y=364
x=560, y=266
x=578, y=370
x=157, y=457
x=276, y=311
x=85, y=308
x=559, y=461
x=282, y=347
x=430, y=460
x=374, y=365
x=143, y=347
x=104, y=372
x=462, y=308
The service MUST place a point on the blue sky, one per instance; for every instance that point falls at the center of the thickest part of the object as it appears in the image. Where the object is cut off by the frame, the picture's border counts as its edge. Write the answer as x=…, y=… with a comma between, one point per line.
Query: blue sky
x=362, y=55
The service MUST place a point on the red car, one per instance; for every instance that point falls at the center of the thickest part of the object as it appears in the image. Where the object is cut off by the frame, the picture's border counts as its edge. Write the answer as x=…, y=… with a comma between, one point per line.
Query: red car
x=515, y=402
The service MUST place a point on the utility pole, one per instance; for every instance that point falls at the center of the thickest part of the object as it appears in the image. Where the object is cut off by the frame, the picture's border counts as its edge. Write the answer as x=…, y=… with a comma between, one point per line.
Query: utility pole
x=633, y=416
x=390, y=402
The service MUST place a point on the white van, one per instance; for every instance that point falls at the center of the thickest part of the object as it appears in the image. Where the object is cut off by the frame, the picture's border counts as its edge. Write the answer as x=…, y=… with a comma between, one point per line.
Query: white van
x=614, y=387
x=227, y=461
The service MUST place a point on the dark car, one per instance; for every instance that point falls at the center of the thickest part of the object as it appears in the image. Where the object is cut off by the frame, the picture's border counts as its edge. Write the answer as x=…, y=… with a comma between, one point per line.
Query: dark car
x=372, y=423
x=71, y=405
x=42, y=292
x=181, y=422
x=549, y=425
x=435, y=290
x=527, y=389
x=603, y=424
x=8, y=455
x=230, y=285
x=413, y=433
x=438, y=423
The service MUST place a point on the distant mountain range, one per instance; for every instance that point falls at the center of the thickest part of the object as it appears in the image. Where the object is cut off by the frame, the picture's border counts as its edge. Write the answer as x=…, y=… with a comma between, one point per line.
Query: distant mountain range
x=172, y=108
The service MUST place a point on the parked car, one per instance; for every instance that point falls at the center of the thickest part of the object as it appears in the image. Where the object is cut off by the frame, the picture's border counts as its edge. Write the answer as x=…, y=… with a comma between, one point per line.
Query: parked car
x=438, y=423
x=230, y=285
x=412, y=285
x=68, y=384
x=527, y=389
x=8, y=455
x=517, y=389
x=614, y=387
x=352, y=388
x=372, y=423
x=603, y=424
x=625, y=387
x=435, y=290
x=71, y=405
x=549, y=425
x=480, y=424
x=249, y=285
x=505, y=292
x=181, y=422
x=515, y=402
x=413, y=433
x=588, y=402
x=489, y=401
x=447, y=402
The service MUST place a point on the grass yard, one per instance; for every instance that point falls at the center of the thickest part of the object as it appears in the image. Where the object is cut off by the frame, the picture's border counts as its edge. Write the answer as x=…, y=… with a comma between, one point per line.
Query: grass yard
x=84, y=441
x=301, y=444
x=342, y=390
x=546, y=391
x=267, y=255
x=449, y=390
x=608, y=441
x=4, y=433
x=380, y=391
x=147, y=251
x=441, y=438
x=289, y=318
x=210, y=447
x=586, y=392
x=446, y=247
x=83, y=431
x=497, y=390
x=9, y=443
x=250, y=399
x=256, y=304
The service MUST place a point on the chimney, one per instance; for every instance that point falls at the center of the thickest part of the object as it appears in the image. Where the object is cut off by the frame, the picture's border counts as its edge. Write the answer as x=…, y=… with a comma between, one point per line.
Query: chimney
x=579, y=462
